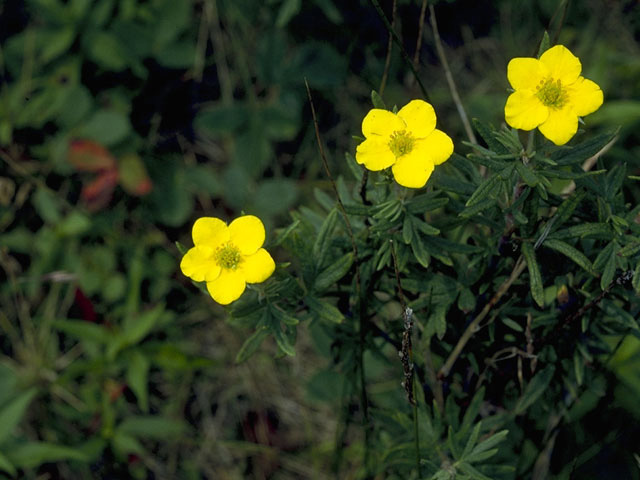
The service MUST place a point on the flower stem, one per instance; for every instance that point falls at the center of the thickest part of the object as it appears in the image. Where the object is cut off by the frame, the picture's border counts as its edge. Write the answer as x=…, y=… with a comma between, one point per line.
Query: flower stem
x=473, y=326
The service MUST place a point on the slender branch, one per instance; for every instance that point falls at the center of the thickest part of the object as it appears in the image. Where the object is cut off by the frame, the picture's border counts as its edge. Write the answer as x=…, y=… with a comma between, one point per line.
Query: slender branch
x=473, y=326
x=387, y=61
x=219, y=51
x=556, y=35
x=447, y=71
x=423, y=13
x=406, y=353
x=398, y=41
x=360, y=306
x=589, y=164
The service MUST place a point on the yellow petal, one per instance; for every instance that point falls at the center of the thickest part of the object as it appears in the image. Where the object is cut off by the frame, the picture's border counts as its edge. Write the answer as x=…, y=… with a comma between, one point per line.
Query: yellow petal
x=419, y=117
x=526, y=73
x=562, y=64
x=438, y=147
x=227, y=287
x=380, y=122
x=585, y=96
x=413, y=170
x=560, y=126
x=258, y=267
x=247, y=233
x=209, y=231
x=375, y=154
x=199, y=265
x=524, y=110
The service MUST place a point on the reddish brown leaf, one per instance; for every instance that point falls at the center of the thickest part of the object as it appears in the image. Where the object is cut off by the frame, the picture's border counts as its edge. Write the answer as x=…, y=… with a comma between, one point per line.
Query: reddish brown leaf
x=90, y=156
x=97, y=193
x=133, y=175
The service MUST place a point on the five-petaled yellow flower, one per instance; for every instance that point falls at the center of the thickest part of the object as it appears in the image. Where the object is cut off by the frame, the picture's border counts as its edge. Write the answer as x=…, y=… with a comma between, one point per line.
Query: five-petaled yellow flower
x=408, y=142
x=550, y=94
x=227, y=257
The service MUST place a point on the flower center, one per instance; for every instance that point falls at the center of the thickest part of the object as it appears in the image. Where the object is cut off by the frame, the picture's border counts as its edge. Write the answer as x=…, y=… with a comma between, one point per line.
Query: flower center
x=551, y=93
x=228, y=256
x=401, y=142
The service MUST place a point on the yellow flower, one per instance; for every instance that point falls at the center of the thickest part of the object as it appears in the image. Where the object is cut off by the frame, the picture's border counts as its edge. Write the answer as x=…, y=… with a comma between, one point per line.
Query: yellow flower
x=408, y=142
x=227, y=257
x=550, y=94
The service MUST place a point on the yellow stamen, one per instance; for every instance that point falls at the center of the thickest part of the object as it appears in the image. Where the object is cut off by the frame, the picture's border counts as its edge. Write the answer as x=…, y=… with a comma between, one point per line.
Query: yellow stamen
x=401, y=143
x=551, y=93
x=228, y=256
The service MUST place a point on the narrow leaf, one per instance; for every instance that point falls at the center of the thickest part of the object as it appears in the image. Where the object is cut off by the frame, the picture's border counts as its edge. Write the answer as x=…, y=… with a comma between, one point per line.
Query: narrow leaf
x=11, y=414
x=333, y=273
x=252, y=344
x=570, y=252
x=323, y=310
x=323, y=241
x=535, y=389
x=535, y=278
x=485, y=189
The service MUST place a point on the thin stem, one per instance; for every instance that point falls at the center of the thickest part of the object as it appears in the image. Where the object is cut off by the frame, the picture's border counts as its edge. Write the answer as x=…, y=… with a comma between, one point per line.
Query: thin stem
x=449, y=76
x=362, y=320
x=416, y=431
x=219, y=51
x=473, y=326
x=398, y=41
x=556, y=35
x=423, y=13
x=387, y=61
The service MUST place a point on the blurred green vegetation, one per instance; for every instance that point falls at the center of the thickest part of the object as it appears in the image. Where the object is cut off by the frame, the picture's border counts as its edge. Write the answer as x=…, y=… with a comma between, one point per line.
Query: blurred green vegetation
x=122, y=121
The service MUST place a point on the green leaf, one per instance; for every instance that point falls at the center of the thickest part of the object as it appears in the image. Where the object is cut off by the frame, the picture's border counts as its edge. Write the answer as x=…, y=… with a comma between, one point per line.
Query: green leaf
x=107, y=127
x=471, y=471
x=11, y=414
x=283, y=316
x=137, y=378
x=284, y=233
x=486, y=188
x=609, y=268
x=407, y=229
x=535, y=278
x=473, y=438
x=426, y=203
x=152, y=426
x=424, y=227
x=281, y=339
x=138, y=326
x=323, y=310
x=478, y=207
x=566, y=209
x=333, y=273
x=603, y=257
x=582, y=151
x=181, y=248
x=584, y=230
x=221, y=120
x=287, y=11
x=482, y=450
x=126, y=444
x=5, y=465
x=377, y=101
x=83, y=330
x=488, y=135
x=527, y=174
x=252, y=344
x=33, y=454
x=570, y=252
x=325, y=235
x=545, y=43
x=535, y=389
x=420, y=252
